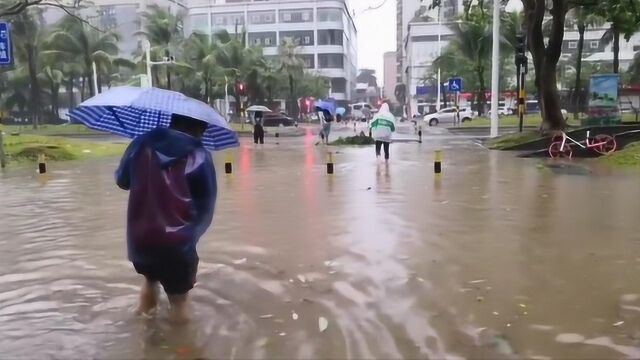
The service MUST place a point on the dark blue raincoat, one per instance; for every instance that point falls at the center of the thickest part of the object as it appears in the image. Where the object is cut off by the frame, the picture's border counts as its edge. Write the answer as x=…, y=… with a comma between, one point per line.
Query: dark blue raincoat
x=172, y=184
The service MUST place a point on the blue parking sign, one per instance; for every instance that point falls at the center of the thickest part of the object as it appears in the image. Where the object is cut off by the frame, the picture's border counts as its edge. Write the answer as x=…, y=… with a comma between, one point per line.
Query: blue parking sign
x=455, y=84
x=6, y=49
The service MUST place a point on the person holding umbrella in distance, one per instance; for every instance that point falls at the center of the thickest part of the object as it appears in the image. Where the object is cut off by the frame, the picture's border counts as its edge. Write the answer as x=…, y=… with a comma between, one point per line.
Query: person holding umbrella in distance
x=258, y=127
x=171, y=180
x=325, y=110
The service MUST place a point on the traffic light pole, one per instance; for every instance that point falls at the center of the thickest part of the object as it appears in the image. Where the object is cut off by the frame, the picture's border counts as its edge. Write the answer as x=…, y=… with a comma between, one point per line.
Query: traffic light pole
x=522, y=71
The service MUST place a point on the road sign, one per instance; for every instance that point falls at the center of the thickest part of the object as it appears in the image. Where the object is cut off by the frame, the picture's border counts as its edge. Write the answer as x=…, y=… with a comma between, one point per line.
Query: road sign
x=6, y=50
x=455, y=84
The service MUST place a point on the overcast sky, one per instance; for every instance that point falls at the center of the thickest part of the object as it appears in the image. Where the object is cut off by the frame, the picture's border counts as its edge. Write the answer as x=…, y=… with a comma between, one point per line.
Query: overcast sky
x=377, y=31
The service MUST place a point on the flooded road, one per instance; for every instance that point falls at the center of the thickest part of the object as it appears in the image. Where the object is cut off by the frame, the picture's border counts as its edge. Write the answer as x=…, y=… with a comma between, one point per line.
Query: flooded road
x=494, y=259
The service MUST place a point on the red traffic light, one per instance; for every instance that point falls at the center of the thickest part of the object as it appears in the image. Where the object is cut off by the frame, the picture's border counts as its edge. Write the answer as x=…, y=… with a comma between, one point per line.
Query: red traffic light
x=241, y=89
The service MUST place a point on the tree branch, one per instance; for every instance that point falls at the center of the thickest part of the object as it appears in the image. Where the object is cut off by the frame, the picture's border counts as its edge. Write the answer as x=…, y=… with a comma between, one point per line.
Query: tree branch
x=22, y=5
x=554, y=48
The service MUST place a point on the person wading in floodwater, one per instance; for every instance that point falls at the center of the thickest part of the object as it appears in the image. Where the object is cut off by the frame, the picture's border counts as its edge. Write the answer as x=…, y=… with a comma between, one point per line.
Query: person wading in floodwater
x=326, y=120
x=258, y=128
x=382, y=127
x=172, y=194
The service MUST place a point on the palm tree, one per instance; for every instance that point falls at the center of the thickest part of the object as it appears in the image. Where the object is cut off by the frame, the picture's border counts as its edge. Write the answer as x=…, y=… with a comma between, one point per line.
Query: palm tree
x=200, y=53
x=581, y=17
x=27, y=37
x=292, y=66
x=52, y=78
x=473, y=41
x=623, y=16
x=74, y=41
x=17, y=94
x=165, y=31
x=634, y=69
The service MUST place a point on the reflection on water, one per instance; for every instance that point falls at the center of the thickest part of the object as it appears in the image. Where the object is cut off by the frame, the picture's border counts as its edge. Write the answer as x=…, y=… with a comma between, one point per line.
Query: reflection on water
x=493, y=259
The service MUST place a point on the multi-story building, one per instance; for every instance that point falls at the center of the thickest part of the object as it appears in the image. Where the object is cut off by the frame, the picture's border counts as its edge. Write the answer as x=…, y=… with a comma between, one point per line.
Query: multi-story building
x=324, y=30
x=389, y=76
x=597, y=50
x=122, y=16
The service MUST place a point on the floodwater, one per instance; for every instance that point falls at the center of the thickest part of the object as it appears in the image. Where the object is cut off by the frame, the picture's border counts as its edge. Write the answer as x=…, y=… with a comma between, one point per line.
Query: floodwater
x=495, y=258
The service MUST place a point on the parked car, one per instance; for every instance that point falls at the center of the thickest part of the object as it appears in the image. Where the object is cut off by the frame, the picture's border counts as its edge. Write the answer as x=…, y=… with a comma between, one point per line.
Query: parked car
x=448, y=115
x=502, y=111
x=276, y=119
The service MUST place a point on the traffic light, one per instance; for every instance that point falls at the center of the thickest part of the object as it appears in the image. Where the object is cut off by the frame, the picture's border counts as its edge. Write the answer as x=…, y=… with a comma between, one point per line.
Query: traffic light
x=521, y=57
x=241, y=89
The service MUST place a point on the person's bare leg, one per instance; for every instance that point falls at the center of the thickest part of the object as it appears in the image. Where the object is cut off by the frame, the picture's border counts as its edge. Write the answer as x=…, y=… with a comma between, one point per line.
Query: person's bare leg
x=148, y=297
x=179, y=311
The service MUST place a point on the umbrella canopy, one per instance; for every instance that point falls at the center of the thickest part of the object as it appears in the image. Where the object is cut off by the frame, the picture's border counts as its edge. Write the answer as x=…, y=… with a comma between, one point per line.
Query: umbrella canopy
x=326, y=105
x=132, y=111
x=254, y=108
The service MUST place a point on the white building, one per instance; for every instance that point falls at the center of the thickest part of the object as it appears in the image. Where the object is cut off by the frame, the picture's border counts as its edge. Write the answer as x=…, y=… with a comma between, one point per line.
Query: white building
x=390, y=76
x=324, y=30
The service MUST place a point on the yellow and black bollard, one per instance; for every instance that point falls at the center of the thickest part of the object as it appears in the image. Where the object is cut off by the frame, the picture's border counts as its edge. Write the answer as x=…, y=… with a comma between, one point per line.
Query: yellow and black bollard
x=437, y=163
x=228, y=163
x=354, y=127
x=42, y=165
x=420, y=134
x=330, y=163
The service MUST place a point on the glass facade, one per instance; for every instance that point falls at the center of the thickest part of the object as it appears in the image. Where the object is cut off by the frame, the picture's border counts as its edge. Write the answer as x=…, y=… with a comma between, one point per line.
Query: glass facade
x=264, y=39
x=330, y=61
x=339, y=85
x=301, y=38
x=296, y=15
x=330, y=37
x=227, y=19
x=262, y=17
x=309, y=60
x=199, y=23
x=329, y=14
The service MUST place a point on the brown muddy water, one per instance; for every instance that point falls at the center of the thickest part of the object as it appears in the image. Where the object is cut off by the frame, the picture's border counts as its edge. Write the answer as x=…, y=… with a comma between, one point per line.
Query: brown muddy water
x=494, y=259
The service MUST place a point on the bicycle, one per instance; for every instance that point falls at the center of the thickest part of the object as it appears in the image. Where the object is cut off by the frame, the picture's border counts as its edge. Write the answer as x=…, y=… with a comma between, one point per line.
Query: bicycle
x=602, y=144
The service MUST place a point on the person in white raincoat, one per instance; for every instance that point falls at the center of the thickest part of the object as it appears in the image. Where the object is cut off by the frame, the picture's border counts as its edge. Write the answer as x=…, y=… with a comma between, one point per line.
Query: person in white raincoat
x=382, y=127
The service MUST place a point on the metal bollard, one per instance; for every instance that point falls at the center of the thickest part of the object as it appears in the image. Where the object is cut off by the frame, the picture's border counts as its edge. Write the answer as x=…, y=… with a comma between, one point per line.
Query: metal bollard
x=228, y=163
x=42, y=164
x=420, y=134
x=354, y=127
x=437, y=163
x=330, y=163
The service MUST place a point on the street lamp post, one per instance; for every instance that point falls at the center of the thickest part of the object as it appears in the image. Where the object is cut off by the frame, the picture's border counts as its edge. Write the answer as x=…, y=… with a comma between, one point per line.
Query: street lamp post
x=439, y=54
x=495, y=69
x=166, y=61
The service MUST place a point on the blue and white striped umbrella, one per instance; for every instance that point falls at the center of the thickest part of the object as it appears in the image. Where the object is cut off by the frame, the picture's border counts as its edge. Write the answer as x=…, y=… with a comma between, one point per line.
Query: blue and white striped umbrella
x=132, y=111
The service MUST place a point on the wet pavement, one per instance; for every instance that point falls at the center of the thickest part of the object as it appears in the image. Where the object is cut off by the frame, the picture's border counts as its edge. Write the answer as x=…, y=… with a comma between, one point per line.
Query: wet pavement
x=495, y=258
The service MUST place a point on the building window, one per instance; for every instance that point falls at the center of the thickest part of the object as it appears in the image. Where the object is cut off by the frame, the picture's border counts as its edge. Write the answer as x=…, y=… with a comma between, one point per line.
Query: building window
x=266, y=39
x=573, y=44
x=296, y=16
x=636, y=47
x=594, y=44
x=338, y=85
x=303, y=37
x=330, y=37
x=329, y=15
x=309, y=61
x=262, y=17
x=228, y=19
x=331, y=61
x=199, y=23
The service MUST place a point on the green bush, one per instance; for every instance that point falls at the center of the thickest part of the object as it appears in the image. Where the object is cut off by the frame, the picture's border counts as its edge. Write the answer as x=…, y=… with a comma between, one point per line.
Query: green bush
x=360, y=139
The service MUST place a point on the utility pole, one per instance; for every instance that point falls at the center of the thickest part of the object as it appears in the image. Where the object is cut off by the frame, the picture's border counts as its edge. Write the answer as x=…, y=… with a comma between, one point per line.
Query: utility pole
x=495, y=69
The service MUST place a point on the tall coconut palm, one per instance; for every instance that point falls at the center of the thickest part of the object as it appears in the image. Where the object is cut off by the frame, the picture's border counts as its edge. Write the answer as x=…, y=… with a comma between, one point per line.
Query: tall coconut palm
x=74, y=41
x=26, y=28
x=473, y=41
x=165, y=32
x=52, y=78
x=200, y=54
x=292, y=66
x=582, y=17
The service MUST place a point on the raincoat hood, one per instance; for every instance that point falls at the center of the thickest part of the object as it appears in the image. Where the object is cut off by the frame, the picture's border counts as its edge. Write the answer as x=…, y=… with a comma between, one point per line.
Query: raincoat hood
x=171, y=145
x=384, y=108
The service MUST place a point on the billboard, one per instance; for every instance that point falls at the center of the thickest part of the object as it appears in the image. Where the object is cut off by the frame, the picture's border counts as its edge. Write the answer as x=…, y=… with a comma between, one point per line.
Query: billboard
x=603, y=100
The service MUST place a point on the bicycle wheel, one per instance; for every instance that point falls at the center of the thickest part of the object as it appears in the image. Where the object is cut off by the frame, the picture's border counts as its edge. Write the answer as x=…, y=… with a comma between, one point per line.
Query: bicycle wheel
x=607, y=144
x=556, y=150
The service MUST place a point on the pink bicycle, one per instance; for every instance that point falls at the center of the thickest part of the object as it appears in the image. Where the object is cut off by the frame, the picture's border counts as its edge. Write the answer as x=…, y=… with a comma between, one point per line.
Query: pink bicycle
x=601, y=143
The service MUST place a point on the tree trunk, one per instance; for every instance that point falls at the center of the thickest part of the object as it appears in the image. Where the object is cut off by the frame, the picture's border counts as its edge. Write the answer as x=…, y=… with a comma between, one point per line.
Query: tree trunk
x=482, y=97
x=168, y=78
x=292, y=98
x=72, y=100
x=34, y=86
x=578, y=85
x=3, y=160
x=54, y=101
x=616, y=49
x=83, y=84
x=99, y=81
x=545, y=59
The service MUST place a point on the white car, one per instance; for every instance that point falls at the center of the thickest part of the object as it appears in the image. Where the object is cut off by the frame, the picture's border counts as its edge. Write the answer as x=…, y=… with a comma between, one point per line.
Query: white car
x=502, y=111
x=448, y=116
